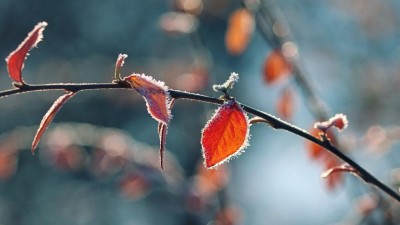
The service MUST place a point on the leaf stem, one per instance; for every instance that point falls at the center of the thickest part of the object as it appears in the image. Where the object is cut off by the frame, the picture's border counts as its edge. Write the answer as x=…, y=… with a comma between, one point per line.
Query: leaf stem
x=177, y=94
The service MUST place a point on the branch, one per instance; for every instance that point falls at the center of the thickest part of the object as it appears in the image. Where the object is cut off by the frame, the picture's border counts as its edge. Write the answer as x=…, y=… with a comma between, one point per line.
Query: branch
x=177, y=94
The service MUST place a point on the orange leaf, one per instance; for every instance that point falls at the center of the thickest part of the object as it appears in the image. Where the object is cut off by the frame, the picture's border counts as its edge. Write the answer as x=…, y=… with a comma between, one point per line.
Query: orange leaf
x=48, y=117
x=240, y=28
x=155, y=94
x=15, y=61
x=285, y=105
x=225, y=135
x=276, y=67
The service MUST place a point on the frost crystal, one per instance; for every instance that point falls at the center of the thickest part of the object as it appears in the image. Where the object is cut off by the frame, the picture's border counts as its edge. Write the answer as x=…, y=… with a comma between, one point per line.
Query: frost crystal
x=233, y=78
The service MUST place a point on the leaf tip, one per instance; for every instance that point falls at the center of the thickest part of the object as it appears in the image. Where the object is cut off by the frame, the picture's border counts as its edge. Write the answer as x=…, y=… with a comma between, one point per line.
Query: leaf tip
x=15, y=60
x=118, y=65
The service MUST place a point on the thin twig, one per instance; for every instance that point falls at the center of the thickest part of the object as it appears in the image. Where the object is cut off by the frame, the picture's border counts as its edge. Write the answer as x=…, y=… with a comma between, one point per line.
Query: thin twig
x=177, y=94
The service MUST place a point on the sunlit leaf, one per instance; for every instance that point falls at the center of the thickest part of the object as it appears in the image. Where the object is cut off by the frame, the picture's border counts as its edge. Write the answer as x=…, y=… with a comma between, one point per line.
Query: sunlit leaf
x=15, y=61
x=225, y=135
x=48, y=117
x=239, y=31
x=285, y=104
x=155, y=94
x=276, y=67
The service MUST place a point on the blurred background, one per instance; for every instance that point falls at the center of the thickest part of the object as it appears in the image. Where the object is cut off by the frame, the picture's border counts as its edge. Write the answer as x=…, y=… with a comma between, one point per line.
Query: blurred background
x=98, y=162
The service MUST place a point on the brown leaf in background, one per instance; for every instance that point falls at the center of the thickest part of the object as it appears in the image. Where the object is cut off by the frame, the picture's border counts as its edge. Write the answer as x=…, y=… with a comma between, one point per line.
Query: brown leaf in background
x=239, y=31
x=276, y=67
x=285, y=105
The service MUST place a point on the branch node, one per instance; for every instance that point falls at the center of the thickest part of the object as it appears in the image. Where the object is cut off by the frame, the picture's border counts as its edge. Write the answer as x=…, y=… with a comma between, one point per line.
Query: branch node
x=18, y=84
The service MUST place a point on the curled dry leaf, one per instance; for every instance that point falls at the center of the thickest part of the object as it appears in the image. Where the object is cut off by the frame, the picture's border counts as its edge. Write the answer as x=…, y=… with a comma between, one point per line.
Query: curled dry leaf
x=155, y=94
x=48, y=117
x=285, y=104
x=15, y=61
x=225, y=135
x=240, y=29
x=276, y=67
x=339, y=121
x=118, y=64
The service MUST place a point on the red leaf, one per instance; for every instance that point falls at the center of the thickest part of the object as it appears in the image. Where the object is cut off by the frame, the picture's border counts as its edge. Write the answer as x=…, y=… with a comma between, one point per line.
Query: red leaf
x=240, y=28
x=225, y=135
x=285, y=105
x=118, y=64
x=155, y=94
x=48, y=117
x=15, y=61
x=276, y=67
